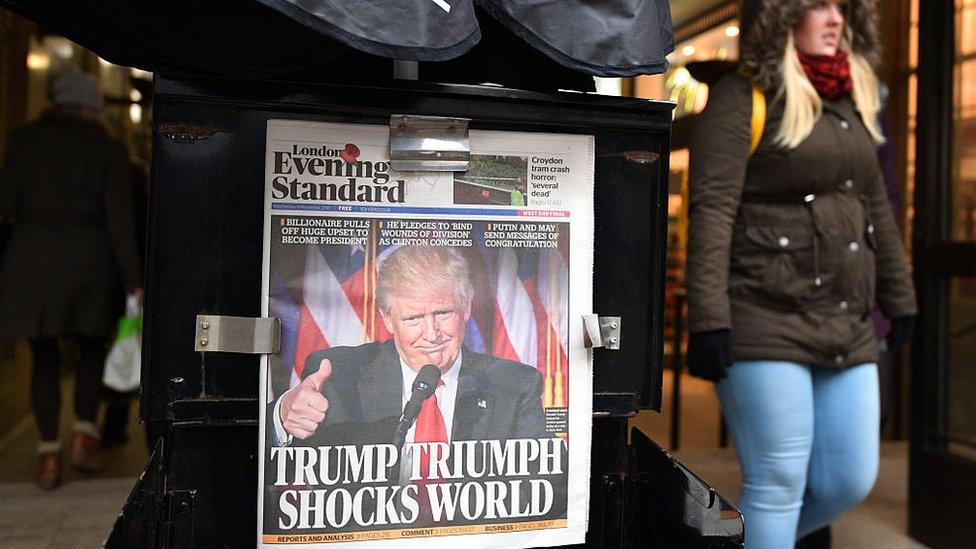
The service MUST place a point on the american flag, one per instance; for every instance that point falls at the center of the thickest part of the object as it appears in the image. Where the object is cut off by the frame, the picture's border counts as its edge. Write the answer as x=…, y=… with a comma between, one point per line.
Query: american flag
x=332, y=302
x=530, y=321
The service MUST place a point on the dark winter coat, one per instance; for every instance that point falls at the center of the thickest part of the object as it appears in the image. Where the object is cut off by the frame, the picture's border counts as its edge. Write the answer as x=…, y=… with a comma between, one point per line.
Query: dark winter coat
x=789, y=248
x=72, y=254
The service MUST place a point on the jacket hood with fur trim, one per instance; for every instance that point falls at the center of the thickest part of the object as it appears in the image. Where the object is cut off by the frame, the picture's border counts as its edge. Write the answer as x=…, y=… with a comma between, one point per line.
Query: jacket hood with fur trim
x=766, y=24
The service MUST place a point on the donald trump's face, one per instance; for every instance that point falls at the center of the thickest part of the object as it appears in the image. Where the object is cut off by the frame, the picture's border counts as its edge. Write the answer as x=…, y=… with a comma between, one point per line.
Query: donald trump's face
x=428, y=328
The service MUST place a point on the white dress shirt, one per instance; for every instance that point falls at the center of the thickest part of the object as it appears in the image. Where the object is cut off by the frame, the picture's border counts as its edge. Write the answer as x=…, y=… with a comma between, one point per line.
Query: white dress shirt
x=446, y=394
x=446, y=398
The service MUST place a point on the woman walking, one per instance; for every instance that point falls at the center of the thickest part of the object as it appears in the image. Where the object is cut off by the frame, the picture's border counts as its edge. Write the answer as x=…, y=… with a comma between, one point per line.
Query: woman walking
x=70, y=259
x=792, y=241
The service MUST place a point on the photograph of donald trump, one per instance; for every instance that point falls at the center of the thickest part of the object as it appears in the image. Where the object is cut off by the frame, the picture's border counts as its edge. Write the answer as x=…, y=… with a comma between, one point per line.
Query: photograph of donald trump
x=355, y=395
x=482, y=424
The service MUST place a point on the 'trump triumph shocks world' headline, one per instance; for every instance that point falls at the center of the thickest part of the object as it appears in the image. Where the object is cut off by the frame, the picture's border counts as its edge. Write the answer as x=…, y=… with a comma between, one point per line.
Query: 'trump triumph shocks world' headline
x=470, y=480
x=432, y=381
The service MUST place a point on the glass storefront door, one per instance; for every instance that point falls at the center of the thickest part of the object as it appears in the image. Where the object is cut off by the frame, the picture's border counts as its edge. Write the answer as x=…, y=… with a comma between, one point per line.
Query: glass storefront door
x=959, y=420
x=943, y=457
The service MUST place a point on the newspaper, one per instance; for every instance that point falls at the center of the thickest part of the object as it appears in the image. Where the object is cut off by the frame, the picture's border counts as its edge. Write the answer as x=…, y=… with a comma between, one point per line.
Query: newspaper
x=432, y=381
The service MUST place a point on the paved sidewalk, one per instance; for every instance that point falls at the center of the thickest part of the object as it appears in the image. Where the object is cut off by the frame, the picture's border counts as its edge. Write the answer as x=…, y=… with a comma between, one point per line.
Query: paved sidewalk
x=80, y=514
x=18, y=449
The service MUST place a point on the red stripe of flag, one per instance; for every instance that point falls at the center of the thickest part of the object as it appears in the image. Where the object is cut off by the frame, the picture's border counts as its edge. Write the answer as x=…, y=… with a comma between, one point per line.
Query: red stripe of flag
x=310, y=339
x=501, y=345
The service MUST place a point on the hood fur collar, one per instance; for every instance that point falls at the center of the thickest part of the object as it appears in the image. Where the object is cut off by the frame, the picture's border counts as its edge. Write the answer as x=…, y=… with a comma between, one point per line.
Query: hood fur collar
x=766, y=23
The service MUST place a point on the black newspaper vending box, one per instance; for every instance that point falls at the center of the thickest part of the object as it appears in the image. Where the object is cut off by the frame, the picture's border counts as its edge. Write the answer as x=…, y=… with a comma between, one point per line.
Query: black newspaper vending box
x=205, y=258
x=224, y=69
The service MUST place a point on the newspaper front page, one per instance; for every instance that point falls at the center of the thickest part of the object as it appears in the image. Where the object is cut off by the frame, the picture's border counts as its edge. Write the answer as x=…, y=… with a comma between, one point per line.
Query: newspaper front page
x=432, y=381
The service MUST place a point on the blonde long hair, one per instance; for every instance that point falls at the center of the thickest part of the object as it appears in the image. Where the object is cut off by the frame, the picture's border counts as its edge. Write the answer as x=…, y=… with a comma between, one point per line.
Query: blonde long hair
x=803, y=106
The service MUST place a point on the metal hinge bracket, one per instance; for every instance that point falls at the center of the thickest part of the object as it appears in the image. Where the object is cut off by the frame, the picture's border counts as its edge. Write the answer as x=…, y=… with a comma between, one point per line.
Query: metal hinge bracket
x=429, y=143
x=237, y=334
x=601, y=331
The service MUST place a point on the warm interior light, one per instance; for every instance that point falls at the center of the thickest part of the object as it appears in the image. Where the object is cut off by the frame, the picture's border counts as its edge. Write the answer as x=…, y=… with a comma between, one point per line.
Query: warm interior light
x=38, y=61
x=681, y=77
x=679, y=161
x=135, y=95
x=63, y=49
x=731, y=31
x=688, y=50
x=674, y=204
x=135, y=113
x=141, y=74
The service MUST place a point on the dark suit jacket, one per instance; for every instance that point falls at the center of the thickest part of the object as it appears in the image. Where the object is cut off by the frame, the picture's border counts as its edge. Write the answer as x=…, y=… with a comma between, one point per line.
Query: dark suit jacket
x=496, y=399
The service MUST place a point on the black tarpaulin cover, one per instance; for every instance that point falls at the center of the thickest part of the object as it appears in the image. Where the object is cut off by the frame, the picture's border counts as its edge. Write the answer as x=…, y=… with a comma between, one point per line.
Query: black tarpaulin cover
x=277, y=37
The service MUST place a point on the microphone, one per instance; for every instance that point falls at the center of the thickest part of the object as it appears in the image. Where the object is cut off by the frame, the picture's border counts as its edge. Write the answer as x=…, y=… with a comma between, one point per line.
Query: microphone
x=423, y=387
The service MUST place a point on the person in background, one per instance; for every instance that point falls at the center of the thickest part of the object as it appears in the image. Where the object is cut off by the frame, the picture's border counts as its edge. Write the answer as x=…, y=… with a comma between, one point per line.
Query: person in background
x=70, y=260
x=790, y=245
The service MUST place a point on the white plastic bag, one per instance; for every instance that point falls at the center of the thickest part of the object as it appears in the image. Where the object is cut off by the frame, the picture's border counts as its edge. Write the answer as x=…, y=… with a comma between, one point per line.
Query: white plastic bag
x=124, y=361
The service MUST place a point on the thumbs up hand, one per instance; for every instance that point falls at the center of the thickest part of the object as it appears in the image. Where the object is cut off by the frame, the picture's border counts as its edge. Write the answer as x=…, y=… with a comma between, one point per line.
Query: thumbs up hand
x=304, y=407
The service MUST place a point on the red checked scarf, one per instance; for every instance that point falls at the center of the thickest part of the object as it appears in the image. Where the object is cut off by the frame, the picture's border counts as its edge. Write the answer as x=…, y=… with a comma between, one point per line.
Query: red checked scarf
x=829, y=74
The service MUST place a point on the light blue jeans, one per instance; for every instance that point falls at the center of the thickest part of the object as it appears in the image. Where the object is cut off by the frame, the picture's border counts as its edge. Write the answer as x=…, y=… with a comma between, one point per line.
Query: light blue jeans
x=807, y=440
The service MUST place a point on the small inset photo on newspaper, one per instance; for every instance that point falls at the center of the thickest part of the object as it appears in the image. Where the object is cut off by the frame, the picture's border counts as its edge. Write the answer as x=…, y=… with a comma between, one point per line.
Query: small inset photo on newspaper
x=493, y=179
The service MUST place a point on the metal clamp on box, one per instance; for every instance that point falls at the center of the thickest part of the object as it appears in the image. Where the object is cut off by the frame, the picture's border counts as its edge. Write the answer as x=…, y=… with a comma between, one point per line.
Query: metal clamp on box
x=237, y=334
x=601, y=331
x=429, y=143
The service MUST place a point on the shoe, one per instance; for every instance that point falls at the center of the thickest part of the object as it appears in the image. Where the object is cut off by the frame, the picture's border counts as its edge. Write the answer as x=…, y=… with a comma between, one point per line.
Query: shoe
x=83, y=453
x=49, y=471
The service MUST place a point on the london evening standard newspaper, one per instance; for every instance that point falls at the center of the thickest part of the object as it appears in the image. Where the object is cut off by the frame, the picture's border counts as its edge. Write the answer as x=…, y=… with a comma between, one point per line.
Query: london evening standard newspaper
x=374, y=273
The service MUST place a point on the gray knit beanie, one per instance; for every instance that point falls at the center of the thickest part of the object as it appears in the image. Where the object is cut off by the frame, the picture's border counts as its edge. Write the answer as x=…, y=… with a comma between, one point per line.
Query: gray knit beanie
x=73, y=87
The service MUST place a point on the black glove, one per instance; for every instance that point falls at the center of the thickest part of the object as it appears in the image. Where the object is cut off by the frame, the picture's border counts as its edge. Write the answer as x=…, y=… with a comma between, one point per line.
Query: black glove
x=901, y=332
x=709, y=354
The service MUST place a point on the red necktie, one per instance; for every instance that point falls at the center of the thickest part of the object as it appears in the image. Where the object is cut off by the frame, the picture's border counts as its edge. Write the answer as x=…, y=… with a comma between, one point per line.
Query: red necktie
x=430, y=428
